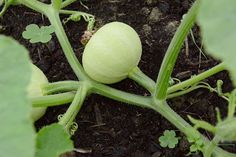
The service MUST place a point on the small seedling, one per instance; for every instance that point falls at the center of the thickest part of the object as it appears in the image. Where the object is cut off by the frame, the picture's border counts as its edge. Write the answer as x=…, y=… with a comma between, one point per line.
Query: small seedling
x=36, y=34
x=169, y=139
x=196, y=145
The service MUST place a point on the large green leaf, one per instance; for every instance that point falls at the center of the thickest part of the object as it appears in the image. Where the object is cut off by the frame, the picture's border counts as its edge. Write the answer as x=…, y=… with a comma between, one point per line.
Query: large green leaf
x=217, y=19
x=17, y=136
x=52, y=141
x=226, y=130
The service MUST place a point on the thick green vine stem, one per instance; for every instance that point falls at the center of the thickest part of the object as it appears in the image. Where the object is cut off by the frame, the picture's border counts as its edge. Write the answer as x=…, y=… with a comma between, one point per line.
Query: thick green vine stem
x=159, y=106
x=59, y=87
x=75, y=106
x=137, y=75
x=173, y=51
x=67, y=2
x=211, y=146
x=53, y=16
x=178, y=89
x=122, y=96
x=231, y=104
x=197, y=78
x=36, y=5
x=53, y=100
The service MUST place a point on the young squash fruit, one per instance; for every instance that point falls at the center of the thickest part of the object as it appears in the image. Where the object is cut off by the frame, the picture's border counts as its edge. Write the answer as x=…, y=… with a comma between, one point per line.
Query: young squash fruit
x=112, y=52
x=34, y=90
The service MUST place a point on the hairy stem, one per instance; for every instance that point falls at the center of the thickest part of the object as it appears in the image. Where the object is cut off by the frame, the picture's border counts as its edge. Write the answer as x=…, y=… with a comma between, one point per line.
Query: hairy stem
x=185, y=91
x=159, y=106
x=66, y=46
x=75, y=106
x=211, y=146
x=195, y=79
x=61, y=86
x=53, y=100
x=35, y=5
x=173, y=51
x=67, y=2
x=122, y=96
x=53, y=16
x=137, y=75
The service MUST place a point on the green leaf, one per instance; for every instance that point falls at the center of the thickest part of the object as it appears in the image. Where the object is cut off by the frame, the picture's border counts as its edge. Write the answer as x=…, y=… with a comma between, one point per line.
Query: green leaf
x=36, y=34
x=52, y=141
x=194, y=148
x=226, y=130
x=197, y=143
x=169, y=139
x=217, y=20
x=16, y=133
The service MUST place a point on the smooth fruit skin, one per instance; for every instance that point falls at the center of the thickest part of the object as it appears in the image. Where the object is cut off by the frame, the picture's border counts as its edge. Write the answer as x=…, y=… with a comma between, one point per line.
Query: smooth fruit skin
x=34, y=90
x=112, y=52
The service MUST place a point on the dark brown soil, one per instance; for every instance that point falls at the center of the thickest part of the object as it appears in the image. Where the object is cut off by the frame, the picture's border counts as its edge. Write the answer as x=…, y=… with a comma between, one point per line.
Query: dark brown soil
x=107, y=127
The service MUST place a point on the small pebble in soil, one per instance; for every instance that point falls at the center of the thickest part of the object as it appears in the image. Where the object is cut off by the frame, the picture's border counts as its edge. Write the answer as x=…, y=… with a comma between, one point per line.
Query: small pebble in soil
x=154, y=15
x=157, y=154
x=184, y=75
x=113, y=9
x=171, y=27
x=147, y=29
x=145, y=11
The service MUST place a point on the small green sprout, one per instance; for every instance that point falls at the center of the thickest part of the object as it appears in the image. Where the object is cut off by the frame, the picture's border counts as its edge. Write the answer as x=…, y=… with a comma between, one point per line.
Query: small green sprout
x=169, y=139
x=38, y=34
x=197, y=144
